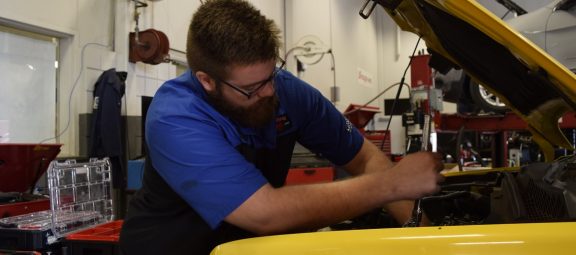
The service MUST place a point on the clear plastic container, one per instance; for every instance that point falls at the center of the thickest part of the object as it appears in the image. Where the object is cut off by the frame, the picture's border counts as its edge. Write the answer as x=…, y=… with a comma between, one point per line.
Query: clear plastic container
x=80, y=197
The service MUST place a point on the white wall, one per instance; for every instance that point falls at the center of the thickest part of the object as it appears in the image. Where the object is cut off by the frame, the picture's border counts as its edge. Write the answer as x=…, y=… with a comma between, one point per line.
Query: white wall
x=76, y=23
x=94, y=38
x=305, y=18
x=56, y=15
x=369, y=47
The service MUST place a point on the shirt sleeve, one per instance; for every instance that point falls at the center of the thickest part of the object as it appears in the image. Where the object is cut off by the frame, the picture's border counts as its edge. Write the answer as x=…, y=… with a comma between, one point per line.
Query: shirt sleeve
x=194, y=157
x=323, y=129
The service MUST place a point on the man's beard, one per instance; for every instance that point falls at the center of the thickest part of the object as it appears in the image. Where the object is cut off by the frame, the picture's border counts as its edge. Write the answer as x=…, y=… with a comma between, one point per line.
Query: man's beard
x=255, y=116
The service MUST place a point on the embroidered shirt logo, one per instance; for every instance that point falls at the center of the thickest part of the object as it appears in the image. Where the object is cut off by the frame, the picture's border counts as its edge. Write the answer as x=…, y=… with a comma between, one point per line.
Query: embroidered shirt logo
x=348, y=126
x=282, y=123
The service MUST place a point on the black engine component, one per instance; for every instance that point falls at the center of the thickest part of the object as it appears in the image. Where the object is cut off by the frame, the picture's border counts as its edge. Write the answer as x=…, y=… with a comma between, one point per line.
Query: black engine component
x=540, y=192
x=457, y=208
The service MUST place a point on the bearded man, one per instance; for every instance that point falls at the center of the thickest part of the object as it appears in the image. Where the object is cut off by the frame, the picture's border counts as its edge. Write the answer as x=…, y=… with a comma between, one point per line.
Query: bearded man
x=220, y=140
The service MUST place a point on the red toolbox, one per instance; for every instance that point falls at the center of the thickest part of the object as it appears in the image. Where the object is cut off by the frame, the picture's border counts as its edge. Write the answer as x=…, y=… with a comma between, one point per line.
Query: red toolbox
x=309, y=175
x=380, y=138
x=21, y=165
x=360, y=116
x=99, y=240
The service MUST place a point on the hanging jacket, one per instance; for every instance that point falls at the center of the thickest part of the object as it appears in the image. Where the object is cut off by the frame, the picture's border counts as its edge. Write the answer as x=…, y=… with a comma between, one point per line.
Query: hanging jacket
x=106, y=126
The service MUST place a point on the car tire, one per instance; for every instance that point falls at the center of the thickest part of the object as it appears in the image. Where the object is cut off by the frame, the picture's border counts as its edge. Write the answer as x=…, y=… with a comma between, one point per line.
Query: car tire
x=486, y=100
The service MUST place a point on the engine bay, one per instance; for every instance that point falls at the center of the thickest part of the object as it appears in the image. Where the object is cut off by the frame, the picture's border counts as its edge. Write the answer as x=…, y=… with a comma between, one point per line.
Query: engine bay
x=539, y=192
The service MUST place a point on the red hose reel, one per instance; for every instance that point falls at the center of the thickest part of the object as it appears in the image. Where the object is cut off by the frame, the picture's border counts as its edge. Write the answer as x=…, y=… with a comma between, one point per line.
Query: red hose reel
x=149, y=46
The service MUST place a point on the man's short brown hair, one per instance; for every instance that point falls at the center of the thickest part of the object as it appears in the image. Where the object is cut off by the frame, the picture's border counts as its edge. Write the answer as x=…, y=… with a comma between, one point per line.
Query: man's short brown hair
x=229, y=32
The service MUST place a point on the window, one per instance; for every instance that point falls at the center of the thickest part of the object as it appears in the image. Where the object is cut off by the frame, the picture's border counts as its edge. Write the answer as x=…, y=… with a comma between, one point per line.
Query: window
x=28, y=85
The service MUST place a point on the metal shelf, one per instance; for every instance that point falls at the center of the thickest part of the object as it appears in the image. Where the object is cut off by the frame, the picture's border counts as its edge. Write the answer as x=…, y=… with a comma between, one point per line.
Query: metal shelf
x=508, y=121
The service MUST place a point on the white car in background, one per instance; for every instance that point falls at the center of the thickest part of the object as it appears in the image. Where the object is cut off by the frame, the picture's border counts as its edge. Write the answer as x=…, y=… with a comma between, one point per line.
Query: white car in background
x=552, y=27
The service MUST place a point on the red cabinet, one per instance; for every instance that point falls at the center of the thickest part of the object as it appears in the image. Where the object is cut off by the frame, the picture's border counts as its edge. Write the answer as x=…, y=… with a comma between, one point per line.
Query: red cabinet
x=309, y=175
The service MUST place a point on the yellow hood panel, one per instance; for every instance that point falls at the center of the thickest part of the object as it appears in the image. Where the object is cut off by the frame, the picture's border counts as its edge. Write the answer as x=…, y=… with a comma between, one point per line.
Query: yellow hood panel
x=505, y=239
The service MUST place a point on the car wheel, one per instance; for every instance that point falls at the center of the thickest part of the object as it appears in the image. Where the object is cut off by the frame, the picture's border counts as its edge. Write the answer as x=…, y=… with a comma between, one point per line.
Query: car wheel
x=486, y=100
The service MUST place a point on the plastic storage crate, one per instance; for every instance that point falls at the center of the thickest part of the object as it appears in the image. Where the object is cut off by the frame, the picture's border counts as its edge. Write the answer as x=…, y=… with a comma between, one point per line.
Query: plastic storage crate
x=98, y=240
x=80, y=197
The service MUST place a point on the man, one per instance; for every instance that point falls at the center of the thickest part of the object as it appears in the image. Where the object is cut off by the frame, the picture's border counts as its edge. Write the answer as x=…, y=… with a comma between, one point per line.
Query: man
x=221, y=136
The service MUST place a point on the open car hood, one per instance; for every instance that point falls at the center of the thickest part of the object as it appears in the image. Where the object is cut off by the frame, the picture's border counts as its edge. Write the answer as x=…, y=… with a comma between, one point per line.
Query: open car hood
x=462, y=33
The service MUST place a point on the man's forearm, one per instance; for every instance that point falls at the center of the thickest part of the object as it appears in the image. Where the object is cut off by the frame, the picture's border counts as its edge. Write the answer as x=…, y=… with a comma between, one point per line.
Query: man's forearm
x=370, y=158
x=292, y=208
x=305, y=207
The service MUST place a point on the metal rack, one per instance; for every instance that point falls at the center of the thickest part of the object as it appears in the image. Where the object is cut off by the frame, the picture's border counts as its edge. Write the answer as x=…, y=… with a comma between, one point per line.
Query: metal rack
x=498, y=127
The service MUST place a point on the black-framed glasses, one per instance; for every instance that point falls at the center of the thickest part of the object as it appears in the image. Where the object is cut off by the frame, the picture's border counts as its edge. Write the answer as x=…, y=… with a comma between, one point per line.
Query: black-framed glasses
x=257, y=85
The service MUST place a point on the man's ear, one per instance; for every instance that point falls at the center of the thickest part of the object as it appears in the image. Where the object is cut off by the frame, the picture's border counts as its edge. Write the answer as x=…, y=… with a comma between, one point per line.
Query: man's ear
x=207, y=82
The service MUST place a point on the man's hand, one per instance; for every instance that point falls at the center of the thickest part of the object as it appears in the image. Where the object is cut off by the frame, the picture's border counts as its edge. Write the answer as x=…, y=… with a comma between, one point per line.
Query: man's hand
x=415, y=176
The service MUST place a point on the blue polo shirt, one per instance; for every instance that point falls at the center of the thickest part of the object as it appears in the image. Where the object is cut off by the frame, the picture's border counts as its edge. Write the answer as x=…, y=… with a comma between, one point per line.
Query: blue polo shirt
x=193, y=147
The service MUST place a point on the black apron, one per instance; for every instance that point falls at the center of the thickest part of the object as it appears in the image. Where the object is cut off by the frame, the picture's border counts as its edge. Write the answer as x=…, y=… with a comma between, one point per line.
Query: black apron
x=159, y=221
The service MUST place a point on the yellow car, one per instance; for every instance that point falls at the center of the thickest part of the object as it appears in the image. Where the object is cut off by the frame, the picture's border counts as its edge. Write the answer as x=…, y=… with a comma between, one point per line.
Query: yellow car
x=525, y=211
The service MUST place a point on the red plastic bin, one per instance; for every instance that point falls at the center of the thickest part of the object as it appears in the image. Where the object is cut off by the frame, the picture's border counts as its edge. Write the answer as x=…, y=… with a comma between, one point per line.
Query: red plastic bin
x=109, y=232
x=99, y=240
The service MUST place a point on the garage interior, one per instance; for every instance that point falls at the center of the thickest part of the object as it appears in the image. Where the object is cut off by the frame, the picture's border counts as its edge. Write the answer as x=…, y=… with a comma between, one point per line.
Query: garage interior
x=393, y=86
